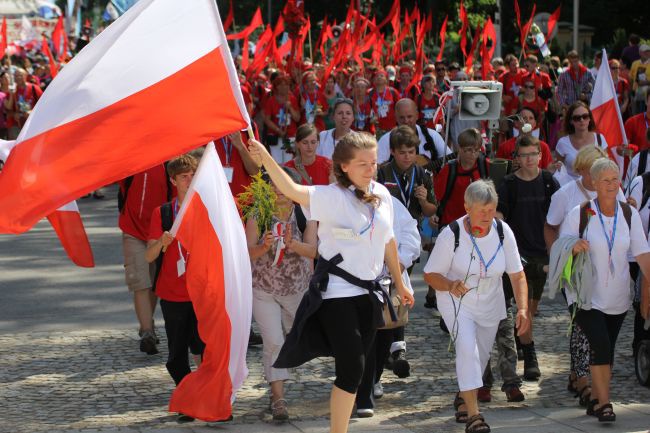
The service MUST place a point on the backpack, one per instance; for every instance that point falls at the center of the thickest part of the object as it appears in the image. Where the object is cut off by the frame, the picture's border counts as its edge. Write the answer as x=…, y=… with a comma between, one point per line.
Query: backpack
x=121, y=196
x=451, y=180
x=643, y=161
x=510, y=183
x=646, y=189
x=584, y=217
x=429, y=145
x=455, y=228
x=301, y=220
x=166, y=220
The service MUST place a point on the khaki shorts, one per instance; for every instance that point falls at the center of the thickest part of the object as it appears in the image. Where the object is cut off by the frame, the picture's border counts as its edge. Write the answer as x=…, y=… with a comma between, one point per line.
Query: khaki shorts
x=138, y=273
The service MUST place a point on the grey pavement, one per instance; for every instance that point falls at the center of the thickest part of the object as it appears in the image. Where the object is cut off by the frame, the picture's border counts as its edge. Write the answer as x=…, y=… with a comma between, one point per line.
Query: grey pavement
x=69, y=360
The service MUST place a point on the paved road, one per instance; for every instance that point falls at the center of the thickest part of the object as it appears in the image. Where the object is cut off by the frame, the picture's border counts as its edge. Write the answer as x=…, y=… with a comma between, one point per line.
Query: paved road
x=69, y=360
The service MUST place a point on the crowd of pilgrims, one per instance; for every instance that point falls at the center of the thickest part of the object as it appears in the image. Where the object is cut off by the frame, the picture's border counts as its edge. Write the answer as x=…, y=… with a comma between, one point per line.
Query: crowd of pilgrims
x=371, y=179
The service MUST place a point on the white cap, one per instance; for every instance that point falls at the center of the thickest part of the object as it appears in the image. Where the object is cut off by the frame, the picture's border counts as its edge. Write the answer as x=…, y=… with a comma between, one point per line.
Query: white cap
x=644, y=47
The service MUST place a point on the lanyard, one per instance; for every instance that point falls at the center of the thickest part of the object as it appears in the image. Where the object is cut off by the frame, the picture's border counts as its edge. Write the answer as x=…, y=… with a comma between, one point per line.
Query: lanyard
x=382, y=98
x=371, y=224
x=406, y=200
x=227, y=147
x=610, y=239
x=180, y=251
x=478, y=250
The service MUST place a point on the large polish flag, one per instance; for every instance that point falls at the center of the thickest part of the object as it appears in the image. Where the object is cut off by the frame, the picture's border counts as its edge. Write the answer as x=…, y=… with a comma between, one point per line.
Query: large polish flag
x=66, y=222
x=607, y=113
x=156, y=83
x=219, y=284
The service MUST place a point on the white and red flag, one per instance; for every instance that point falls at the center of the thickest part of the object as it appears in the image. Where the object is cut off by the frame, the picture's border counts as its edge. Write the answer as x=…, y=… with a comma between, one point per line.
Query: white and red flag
x=607, y=113
x=156, y=83
x=218, y=280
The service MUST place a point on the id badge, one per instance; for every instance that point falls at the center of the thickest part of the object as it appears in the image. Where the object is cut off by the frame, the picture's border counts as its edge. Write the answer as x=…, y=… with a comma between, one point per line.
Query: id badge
x=180, y=267
x=229, y=172
x=484, y=285
x=343, y=234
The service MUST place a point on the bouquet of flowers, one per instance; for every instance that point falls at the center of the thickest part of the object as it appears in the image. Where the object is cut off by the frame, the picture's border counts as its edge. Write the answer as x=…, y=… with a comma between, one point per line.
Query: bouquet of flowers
x=294, y=18
x=258, y=201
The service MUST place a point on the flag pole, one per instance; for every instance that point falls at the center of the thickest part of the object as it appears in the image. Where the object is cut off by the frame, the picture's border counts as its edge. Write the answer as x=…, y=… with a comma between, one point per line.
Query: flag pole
x=311, y=55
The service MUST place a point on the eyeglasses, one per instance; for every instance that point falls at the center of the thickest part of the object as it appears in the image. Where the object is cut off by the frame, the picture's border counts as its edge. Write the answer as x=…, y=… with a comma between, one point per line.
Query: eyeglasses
x=470, y=150
x=343, y=101
x=529, y=86
x=528, y=155
x=579, y=117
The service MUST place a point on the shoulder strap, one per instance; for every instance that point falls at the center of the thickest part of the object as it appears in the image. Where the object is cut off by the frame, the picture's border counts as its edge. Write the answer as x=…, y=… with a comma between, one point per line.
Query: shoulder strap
x=451, y=179
x=301, y=220
x=510, y=183
x=645, y=178
x=170, y=187
x=627, y=213
x=430, y=145
x=500, y=231
x=643, y=161
x=167, y=220
x=121, y=195
x=482, y=167
x=455, y=229
x=547, y=178
x=599, y=140
x=584, y=218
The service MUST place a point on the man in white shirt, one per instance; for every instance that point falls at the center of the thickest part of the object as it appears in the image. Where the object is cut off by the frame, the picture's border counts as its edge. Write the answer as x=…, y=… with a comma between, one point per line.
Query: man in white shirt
x=406, y=113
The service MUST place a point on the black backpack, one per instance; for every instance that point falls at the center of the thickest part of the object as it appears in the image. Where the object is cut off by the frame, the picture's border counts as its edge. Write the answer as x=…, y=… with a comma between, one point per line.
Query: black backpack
x=584, y=217
x=121, y=196
x=510, y=183
x=451, y=180
x=167, y=220
x=455, y=228
x=643, y=161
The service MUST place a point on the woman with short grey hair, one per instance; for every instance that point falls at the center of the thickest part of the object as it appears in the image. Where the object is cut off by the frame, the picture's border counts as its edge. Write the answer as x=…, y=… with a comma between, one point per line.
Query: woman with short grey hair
x=471, y=255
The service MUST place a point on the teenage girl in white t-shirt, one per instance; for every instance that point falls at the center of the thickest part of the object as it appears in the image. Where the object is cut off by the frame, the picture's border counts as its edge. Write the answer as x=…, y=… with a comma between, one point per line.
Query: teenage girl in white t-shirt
x=355, y=217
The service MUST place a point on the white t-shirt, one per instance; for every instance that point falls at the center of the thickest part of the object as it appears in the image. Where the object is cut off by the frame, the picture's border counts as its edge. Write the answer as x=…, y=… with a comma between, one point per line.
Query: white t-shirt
x=568, y=197
x=611, y=292
x=346, y=226
x=407, y=235
x=485, y=301
x=327, y=143
x=636, y=192
x=565, y=149
x=633, y=168
x=383, y=145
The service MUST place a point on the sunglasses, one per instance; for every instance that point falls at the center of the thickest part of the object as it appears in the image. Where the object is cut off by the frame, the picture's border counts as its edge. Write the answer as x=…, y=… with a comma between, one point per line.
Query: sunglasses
x=579, y=117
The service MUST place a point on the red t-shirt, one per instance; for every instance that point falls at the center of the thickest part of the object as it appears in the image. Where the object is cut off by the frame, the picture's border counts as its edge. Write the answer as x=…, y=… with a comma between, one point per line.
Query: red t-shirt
x=28, y=95
x=427, y=108
x=455, y=207
x=538, y=105
x=148, y=190
x=635, y=129
x=169, y=285
x=230, y=157
x=622, y=87
x=507, y=149
x=319, y=170
x=280, y=116
x=383, y=104
x=511, y=86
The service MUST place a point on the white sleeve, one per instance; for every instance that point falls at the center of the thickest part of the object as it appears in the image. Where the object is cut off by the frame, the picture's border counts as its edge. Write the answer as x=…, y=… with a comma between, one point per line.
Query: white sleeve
x=571, y=223
x=513, y=260
x=321, y=198
x=636, y=190
x=638, y=242
x=443, y=252
x=407, y=234
x=439, y=142
x=620, y=196
x=320, y=150
x=632, y=169
x=558, y=208
x=387, y=199
x=383, y=148
x=560, y=148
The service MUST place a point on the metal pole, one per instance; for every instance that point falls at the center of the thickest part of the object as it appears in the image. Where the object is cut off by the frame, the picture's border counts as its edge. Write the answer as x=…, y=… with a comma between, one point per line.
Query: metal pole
x=497, y=26
x=269, y=13
x=576, y=22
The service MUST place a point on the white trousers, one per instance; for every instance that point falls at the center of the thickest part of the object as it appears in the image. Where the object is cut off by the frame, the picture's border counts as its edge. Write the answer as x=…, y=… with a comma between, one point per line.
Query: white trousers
x=274, y=316
x=473, y=345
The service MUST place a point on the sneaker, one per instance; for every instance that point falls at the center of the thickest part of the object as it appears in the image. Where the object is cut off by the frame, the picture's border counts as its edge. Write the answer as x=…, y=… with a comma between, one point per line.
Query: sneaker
x=148, y=343
x=254, y=339
x=378, y=390
x=484, y=394
x=279, y=410
x=514, y=394
x=181, y=417
x=401, y=366
x=531, y=367
x=365, y=413
x=430, y=301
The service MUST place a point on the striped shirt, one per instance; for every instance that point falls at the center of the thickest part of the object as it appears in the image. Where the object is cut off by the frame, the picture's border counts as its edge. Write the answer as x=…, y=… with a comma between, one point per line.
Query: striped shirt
x=570, y=90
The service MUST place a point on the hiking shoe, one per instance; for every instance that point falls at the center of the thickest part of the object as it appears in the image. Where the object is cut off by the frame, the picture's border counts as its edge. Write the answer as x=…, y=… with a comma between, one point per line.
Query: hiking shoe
x=484, y=394
x=254, y=339
x=401, y=366
x=365, y=413
x=531, y=367
x=279, y=410
x=148, y=343
x=181, y=417
x=378, y=390
x=514, y=394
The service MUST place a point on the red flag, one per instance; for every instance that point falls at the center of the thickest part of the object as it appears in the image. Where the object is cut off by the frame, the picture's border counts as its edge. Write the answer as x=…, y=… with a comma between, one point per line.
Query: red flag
x=523, y=30
x=443, y=34
x=394, y=10
x=45, y=48
x=428, y=23
x=218, y=280
x=463, y=29
x=470, y=56
x=487, y=53
x=79, y=137
x=230, y=18
x=69, y=227
x=3, y=35
x=552, y=22
x=256, y=21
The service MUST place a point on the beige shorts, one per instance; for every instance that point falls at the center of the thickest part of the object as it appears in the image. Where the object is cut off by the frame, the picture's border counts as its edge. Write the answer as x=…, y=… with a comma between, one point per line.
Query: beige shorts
x=138, y=273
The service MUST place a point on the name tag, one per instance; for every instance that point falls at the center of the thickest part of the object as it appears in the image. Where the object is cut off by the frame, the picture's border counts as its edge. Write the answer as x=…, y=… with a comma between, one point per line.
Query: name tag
x=484, y=285
x=229, y=172
x=343, y=234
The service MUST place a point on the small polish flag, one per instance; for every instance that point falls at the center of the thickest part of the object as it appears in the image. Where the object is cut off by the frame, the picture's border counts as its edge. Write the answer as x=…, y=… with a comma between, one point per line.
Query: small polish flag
x=219, y=283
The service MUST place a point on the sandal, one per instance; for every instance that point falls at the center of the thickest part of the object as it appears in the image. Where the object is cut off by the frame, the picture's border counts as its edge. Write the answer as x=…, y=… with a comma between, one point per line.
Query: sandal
x=571, y=386
x=279, y=410
x=584, y=395
x=477, y=424
x=591, y=405
x=461, y=415
x=605, y=413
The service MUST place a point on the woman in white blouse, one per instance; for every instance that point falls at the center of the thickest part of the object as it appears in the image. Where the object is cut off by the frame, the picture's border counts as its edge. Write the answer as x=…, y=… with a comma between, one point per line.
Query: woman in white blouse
x=467, y=278
x=607, y=239
x=579, y=125
x=342, y=309
x=343, y=117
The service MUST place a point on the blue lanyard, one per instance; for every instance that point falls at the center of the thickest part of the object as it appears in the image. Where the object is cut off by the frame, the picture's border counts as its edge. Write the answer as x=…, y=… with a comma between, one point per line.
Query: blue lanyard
x=175, y=206
x=406, y=200
x=227, y=147
x=610, y=242
x=478, y=250
x=382, y=98
x=371, y=224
